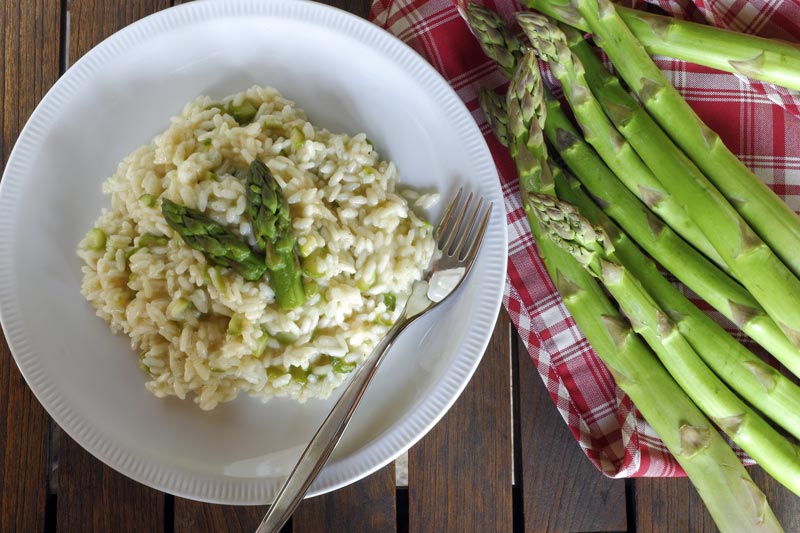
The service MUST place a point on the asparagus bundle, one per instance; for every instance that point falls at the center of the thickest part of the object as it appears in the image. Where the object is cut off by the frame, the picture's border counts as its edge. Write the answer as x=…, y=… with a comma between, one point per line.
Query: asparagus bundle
x=733, y=500
x=591, y=247
x=770, y=218
x=666, y=247
x=750, y=260
x=763, y=59
x=218, y=244
x=272, y=230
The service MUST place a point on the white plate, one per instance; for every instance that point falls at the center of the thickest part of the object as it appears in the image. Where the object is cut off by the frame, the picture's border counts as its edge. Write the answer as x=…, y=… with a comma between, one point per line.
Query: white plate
x=349, y=76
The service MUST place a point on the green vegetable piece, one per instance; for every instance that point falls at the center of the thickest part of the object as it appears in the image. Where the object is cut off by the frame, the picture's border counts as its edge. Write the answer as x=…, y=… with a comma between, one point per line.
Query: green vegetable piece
x=284, y=337
x=297, y=137
x=218, y=244
x=235, y=325
x=96, y=239
x=132, y=250
x=310, y=287
x=340, y=366
x=179, y=308
x=390, y=301
x=216, y=370
x=314, y=264
x=274, y=372
x=243, y=113
x=365, y=284
x=298, y=374
x=206, y=142
x=151, y=239
x=269, y=213
x=261, y=344
x=272, y=123
x=147, y=200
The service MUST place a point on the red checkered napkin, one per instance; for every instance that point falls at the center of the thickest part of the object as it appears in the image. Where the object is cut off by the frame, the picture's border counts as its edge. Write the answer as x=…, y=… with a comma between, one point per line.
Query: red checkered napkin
x=759, y=122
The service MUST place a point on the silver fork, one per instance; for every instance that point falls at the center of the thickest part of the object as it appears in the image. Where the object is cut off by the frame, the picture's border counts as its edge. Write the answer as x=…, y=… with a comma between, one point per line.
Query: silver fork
x=457, y=243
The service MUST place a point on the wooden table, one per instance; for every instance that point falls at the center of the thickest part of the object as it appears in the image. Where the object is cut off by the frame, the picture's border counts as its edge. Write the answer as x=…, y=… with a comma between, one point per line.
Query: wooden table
x=501, y=459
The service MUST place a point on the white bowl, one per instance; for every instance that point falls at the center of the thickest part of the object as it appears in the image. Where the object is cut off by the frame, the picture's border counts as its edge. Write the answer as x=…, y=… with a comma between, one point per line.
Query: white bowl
x=349, y=76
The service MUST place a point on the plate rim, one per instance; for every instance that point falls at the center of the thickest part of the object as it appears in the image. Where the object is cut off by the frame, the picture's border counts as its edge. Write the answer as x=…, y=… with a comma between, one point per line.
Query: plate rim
x=104, y=447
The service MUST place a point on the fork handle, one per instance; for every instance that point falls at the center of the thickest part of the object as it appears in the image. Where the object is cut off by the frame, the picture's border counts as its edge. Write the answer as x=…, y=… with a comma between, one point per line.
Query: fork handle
x=327, y=436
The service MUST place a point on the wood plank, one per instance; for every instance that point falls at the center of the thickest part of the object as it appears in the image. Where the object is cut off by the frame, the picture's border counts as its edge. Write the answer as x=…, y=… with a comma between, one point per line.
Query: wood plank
x=91, y=21
x=199, y=517
x=91, y=495
x=667, y=505
x=30, y=36
x=561, y=489
x=367, y=505
x=784, y=502
x=468, y=453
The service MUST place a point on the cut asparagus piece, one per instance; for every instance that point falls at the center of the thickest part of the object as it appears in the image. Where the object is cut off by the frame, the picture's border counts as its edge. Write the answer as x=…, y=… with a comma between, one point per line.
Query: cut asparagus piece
x=689, y=266
x=219, y=245
x=772, y=393
x=769, y=60
x=272, y=230
x=729, y=493
x=764, y=211
x=748, y=258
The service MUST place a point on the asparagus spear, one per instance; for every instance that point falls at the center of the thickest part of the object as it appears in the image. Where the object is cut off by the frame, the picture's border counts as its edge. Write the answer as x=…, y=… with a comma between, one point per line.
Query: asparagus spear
x=749, y=259
x=772, y=393
x=689, y=266
x=591, y=246
x=497, y=42
x=218, y=244
x=272, y=230
x=623, y=160
x=732, y=498
x=766, y=389
x=762, y=59
x=766, y=213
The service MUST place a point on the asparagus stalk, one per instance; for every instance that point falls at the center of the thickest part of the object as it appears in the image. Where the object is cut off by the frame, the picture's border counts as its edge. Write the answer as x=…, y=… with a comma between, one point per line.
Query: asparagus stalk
x=766, y=213
x=772, y=393
x=758, y=58
x=618, y=154
x=592, y=248
x=748, y=258
x=218, y=244
x=272, y=230
x=729, y=493
x=496, y=41
x=689, y=266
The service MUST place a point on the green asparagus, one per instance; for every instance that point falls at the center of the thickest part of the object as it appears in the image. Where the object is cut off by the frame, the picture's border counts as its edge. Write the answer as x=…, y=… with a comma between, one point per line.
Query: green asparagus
x=591, y=246
x=218, y=244
x=618, y=154
x=732, y=498
x=496, y=41
x=748, y=258
x=689, y=266
x=772, y=393
x=271, y=220
x=769, y=60
x=770, y=218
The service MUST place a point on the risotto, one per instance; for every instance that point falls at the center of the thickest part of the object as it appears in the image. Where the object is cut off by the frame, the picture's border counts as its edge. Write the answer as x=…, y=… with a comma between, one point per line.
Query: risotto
x=201, y=329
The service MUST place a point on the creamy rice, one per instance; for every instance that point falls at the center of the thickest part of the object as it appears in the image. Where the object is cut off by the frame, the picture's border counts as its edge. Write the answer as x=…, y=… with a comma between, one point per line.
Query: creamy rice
x=205, y=332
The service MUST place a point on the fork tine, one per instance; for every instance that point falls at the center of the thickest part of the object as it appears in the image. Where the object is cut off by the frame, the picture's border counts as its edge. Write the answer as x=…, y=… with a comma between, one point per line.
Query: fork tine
x=462, y=242
x=446, y=216
x=453, y=233
x=478, y=240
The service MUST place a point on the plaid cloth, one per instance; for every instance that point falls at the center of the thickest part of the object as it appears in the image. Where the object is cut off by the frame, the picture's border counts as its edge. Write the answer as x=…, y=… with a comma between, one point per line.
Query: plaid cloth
x=759, y=122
